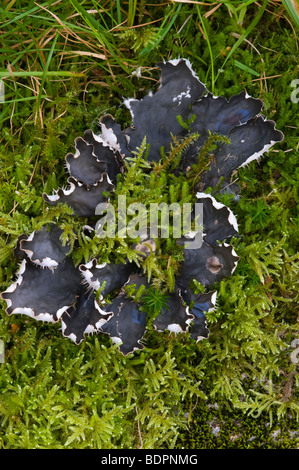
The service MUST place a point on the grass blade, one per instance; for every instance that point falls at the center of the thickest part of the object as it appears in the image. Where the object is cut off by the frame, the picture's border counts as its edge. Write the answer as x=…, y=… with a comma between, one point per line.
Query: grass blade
x=46, y=70
x=132, y=12
x=292, y=7
x=244, y=35
x=101, y=34
x=209, y=47
x=246, y=68
x=38, y=73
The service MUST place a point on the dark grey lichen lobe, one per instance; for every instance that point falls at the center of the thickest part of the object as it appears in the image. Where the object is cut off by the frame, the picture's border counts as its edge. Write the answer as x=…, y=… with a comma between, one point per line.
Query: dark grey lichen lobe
x=208, y=264
x=44, y=293
x=84, y=317
x=83, y=165
x=248, y=142
x=113, y=275
x=127, y=324
x=174, y=316
x=155, y=116
x=44, y=247
x=219, y=222
x=82, y=199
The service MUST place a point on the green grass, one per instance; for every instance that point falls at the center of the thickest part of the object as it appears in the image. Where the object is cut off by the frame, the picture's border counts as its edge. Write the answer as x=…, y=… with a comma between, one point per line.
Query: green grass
x=64, y=66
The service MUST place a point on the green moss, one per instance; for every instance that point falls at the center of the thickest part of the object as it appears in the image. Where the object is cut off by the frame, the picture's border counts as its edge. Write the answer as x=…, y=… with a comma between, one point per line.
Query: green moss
x=214, y=427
